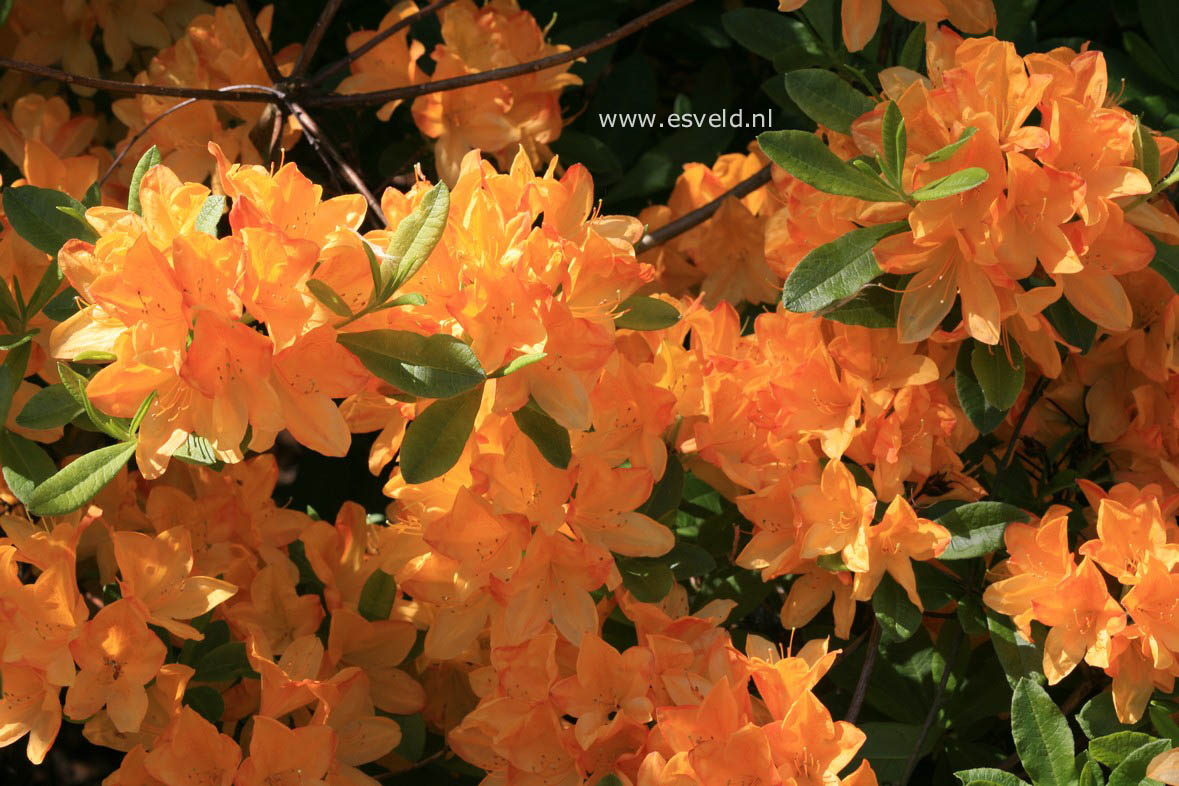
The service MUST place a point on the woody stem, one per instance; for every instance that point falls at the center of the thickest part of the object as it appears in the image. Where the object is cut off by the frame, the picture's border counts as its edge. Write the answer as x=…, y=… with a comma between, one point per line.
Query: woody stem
x=260, y=45
x=915, y=754
x=857, y=702
x=701, y=214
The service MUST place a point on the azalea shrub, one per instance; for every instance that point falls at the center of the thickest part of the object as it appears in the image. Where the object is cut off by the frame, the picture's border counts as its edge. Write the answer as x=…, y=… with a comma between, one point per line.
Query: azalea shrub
x=428, y=418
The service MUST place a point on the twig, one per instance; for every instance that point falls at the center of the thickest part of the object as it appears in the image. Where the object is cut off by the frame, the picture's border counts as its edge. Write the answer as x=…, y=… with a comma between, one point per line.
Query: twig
x=531, y=67
x=701, y=214
x=148, y=126
x=915, y=754
x=315, y=38
x=117, y=86
x=323, y=145
x=373, y=42
x=1033, y=397
x=857, y=702
x=260, y=45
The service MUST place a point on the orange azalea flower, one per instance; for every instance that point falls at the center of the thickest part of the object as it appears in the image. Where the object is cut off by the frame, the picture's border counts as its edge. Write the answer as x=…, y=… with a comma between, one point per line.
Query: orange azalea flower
x=900, y=537
x=117, y=655
x=836, y=513
x=603, y=511
x=1040, y=560
x=279, y=754
x=191, y=751
x=1129, y=536
x=377, y=647
x=1082, y=617
x=30, y=705
x=156, y=579
x=1151, y=604
x=861, y=17
x=499, y=117
x=165, y=695
x=391, y=63
x=608, y=691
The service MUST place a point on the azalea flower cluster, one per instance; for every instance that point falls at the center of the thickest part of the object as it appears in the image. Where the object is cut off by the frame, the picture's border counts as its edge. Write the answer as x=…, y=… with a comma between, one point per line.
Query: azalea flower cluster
x=1129, y=634
x=762, y=413
x=496, y=117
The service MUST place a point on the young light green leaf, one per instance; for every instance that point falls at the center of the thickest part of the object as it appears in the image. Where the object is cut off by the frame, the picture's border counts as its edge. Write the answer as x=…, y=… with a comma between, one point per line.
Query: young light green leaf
x=197, y=450
x=438, y=366
x=146, y=161
x=977, y=529
x=896, y=145
x=414, y=239
x=75, y=383
x=377, y=596
x=836, y=270
x=435, y=439
x=953, y=183
x=1132, y=770
x=1000, y=373
x=408, y=299
x=210, y=214
x=328, y=296
x=25, y=463
x=804, y=155
x=827, y=99
x=49, y=407
x=77, y=482
x=523, y=361
x=1042, y=737
x=639, y=312
x=898, y=617
x=945, y=153
x=549, y=436
x=33, y=213
x=1112, y=749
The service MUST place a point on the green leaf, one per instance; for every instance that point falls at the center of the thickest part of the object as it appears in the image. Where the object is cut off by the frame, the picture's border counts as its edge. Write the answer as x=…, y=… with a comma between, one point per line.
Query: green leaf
x=873, y=306
x=687, y=560
x=1160, y=21
x=649, y=580
x=1020, y=658
x=1112, y=749
x=26, y=464
x=76, y=483
x=804, y=155
x=549, y=436
x=210, y=215
x=888, y=746
x=9, y=381
x=10, y=310
x=49, y=407
x=639, y=312
x=667, y=492
x=1132, y=770
x=977, y=529
x=827, y=99
x=913, y=52
x=408, y=299
x=33, y=213
x=1163, y=723
x=1091, y=774
x=147, y=161
x=1146, y=152
x=435, y=439
x=896, y=144
x=438, y=366
x=206, y=701
x=523, y=361
x=1166, y=262
x=1075, y=328
x=224, y=664
x=970, y=394
x=414, y=239
x=898, y=617
x=1000, y=373
x=951, y=184
x=836, y=270
x=329, y=297
x=46, y=288
x=377, y=596
x=93, y=196
x=413, y=736
x=947, y=152
x=197, y=450
x=1098, y=718
x=10, y=342
x=989, y=775
x=1042, y=737
x=75, y=383
x=765, y=33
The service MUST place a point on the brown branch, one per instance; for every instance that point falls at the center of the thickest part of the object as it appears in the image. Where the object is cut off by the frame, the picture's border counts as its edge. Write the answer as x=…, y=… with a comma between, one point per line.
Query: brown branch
x=117, y=86
x=260, y=45
x=701, y=214
x=373, y=42
x=315, y=38
x=857, y=702
x=324, y=146
x=507, y=72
